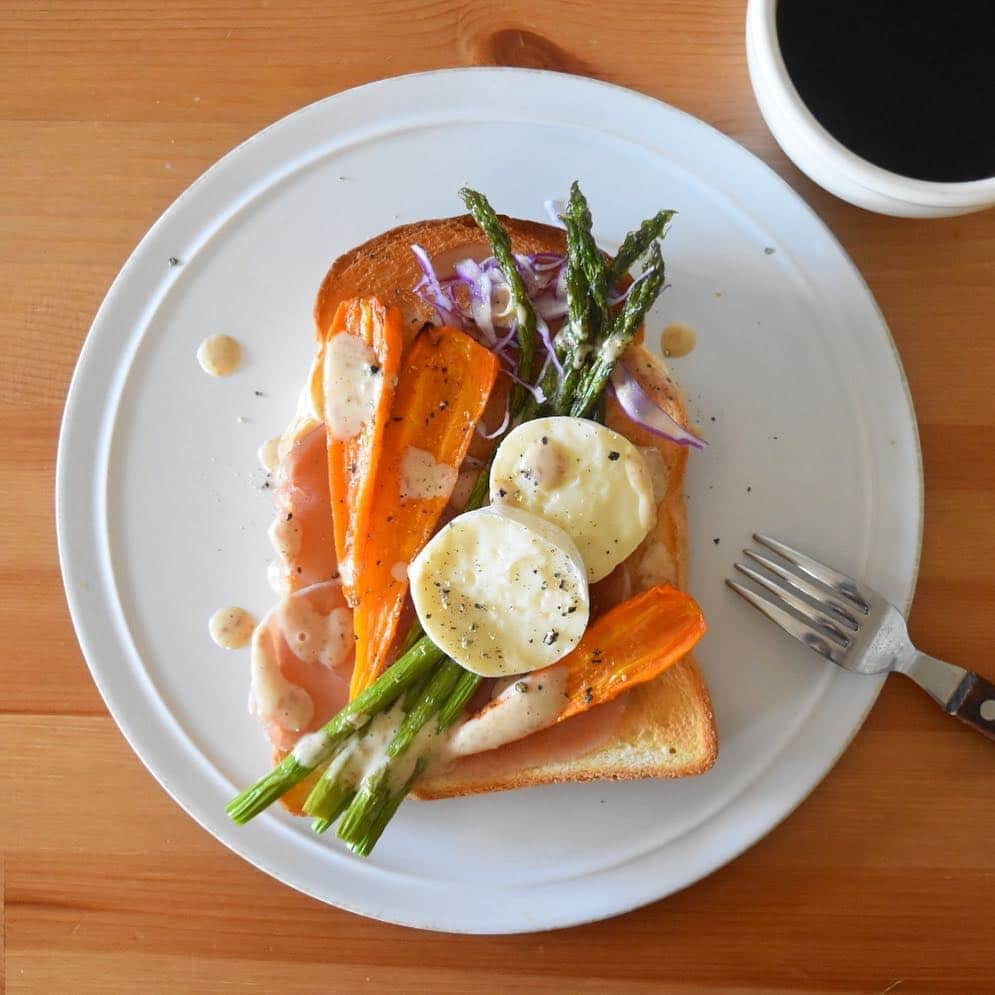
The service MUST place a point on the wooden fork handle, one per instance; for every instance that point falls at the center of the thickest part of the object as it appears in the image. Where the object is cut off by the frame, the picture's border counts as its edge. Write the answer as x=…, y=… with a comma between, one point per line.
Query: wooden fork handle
x=974, y=703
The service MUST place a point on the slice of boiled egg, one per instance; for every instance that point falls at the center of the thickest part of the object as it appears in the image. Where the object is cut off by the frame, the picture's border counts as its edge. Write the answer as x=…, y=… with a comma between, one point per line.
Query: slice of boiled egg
x=501, y=591
x=590, y=481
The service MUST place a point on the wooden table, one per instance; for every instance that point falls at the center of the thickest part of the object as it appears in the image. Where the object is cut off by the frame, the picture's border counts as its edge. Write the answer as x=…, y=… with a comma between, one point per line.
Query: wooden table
x=881, y=881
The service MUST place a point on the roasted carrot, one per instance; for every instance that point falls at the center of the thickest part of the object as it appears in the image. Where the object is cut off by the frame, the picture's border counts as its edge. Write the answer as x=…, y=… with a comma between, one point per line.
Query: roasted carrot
x=353, y=458
x=631, y=644
x=441, y=395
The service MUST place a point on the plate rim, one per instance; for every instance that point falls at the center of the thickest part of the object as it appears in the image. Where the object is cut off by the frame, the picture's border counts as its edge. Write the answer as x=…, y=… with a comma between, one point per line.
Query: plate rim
x=74, y=594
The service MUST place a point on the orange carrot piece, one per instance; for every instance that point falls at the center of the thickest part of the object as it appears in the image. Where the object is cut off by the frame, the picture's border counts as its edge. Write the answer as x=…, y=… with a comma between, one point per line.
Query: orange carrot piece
x=632, y=643
x=352, y=463
x=441, y=395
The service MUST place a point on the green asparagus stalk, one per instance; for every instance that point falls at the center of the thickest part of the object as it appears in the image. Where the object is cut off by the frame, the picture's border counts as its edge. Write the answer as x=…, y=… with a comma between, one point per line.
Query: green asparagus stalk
x=463, y=691
x=575, y=340
x=636, y=244
x=363, y=836
x=439, y=688
x=372, y=796
x=369, y=811
x=588, y=255
x=414, y=693
x=478, y=205
x=436, y=693
x=336, y=787
x=623, y=331
x=379, y=696
x=328, y=800
x=414, y=634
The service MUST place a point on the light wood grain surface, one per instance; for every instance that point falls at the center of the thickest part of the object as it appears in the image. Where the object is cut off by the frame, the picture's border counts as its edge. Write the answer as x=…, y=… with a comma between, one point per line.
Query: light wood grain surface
x=881, y=882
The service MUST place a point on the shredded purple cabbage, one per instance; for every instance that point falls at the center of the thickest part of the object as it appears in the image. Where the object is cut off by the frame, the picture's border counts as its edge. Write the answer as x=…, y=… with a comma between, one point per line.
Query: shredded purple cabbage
x=476, y=299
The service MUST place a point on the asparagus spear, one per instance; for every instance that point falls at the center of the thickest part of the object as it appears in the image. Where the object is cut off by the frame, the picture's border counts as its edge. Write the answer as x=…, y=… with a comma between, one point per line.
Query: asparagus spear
x=588, y=255
x=370, y=824
x=478, y=205
x=463, y=691
x=637, y=243
x=370, y=798
x=440, y=687
x=371, y=808
x=582, y=269
x=624, y=329
x=391, y=684
x=332, y=794
x=465, y=686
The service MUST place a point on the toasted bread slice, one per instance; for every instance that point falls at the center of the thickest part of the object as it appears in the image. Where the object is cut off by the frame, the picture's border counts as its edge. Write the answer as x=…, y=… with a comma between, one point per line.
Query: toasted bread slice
x=661, y=729
x=386, y=267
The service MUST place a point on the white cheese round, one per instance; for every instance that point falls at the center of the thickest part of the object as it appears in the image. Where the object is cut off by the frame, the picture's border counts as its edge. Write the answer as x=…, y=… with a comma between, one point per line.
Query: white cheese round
x=501, y=591
x=590, y=481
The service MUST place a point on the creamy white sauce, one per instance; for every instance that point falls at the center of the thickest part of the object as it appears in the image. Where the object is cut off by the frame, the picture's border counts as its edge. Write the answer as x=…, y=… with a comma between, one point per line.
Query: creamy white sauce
x=427, y=744
x=316, y=638
x=219, y=355
x=340, y=762
x=347, y=569
x=422, y=477
x=370, y=749
x=352, y=383
x=525, y=706
x=269, y=454
x=311, y=749
x=659, y=475
x=312, y=637
x=365, y=754
x=273, y=697
x=612, y=349
x=231, y=628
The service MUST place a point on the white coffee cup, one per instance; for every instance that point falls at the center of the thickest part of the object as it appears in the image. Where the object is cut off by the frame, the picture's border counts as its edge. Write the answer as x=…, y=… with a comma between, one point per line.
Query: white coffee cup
x=827, y=161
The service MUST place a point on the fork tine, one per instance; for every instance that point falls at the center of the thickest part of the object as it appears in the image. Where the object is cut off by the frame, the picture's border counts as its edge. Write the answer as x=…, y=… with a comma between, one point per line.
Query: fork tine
x=822, y=595
x=833, y=579
x=807, y=610
x=776, y=611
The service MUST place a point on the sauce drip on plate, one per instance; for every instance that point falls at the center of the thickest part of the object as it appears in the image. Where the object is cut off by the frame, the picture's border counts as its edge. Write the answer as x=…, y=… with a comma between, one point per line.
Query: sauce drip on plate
x=231, y=628
x=219, y=355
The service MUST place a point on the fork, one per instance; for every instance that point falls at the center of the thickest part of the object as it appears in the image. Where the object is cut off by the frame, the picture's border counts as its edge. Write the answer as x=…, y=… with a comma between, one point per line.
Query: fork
x=856, y=628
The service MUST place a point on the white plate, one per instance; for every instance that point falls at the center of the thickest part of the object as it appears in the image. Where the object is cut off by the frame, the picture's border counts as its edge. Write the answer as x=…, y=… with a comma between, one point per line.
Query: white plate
x=162, y=519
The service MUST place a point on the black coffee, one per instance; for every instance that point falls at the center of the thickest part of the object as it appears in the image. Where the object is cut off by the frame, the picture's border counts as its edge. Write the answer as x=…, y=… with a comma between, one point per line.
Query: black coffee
x=909, y=86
